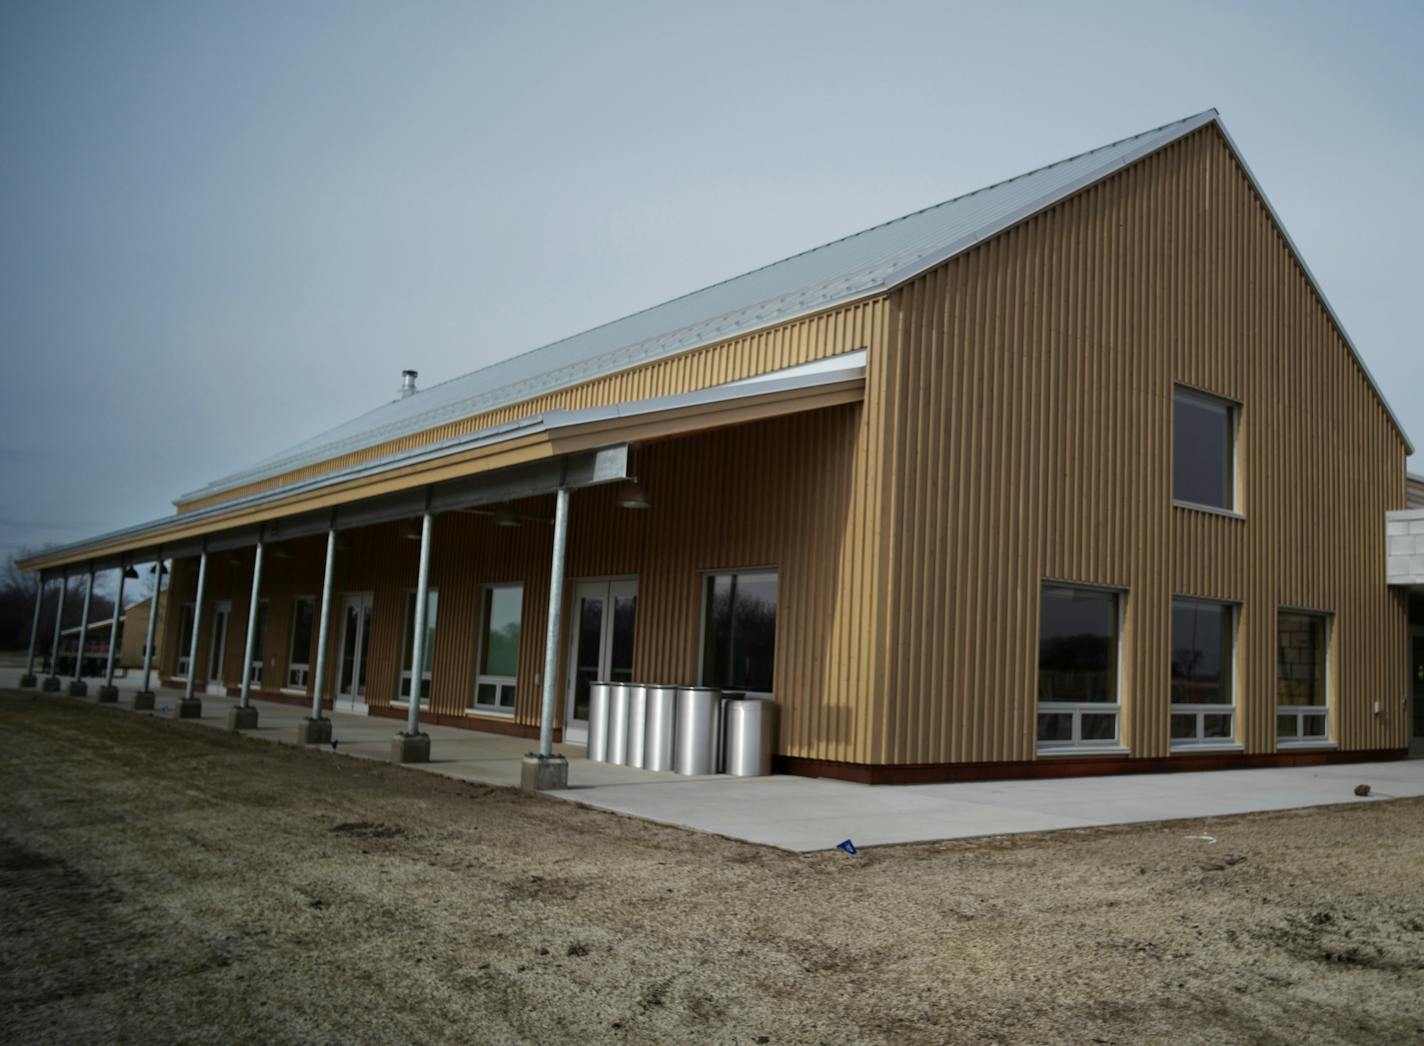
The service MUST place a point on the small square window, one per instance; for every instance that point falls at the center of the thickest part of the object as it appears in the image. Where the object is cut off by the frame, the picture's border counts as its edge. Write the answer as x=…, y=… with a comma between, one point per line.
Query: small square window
x=1203, y=450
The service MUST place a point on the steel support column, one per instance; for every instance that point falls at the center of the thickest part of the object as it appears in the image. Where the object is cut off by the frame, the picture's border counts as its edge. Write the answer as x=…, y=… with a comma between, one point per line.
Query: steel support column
x=52, y=680
x=250, y=647
x=244, y=716
x=77, y=687
x=28, y=679
x=192, y=707
x=410, y=745
x=417, y=644
x=144, y=698
x=323, y=630
x=107, y=691
x=551, y=642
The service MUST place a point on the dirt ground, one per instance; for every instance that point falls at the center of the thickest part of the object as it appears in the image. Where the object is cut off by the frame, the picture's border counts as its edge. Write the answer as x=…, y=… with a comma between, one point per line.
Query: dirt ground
x=162, y=882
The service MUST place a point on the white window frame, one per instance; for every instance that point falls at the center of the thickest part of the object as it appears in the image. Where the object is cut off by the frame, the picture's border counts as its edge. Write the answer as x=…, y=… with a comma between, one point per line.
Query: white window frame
x=1077, y=745
x=298, y=678
x=1304, y=712
x=702, y=615
x=1200, y=742
x=476, y=706
x=1233, y=414
x=183, y=666
x=403, y=684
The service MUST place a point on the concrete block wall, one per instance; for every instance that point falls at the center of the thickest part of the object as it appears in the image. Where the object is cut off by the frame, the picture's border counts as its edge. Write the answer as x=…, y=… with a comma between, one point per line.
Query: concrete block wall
x=1405, y=547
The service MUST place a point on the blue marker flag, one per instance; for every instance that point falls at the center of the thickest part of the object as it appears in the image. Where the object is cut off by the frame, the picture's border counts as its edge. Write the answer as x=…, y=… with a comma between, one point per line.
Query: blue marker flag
x=848, y=847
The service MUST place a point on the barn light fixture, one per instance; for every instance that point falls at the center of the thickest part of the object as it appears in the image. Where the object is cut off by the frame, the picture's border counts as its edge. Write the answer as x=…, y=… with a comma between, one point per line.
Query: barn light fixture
x=632, y=495
x=130, y=573
x=504, y=516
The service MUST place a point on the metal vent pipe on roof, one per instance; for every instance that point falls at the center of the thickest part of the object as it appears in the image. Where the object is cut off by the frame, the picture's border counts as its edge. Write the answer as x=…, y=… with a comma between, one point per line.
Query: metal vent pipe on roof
x=408, y=383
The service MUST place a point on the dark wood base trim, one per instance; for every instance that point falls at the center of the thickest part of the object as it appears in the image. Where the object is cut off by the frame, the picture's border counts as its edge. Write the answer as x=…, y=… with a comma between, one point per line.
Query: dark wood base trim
x=487, y=725
x=1061, y=766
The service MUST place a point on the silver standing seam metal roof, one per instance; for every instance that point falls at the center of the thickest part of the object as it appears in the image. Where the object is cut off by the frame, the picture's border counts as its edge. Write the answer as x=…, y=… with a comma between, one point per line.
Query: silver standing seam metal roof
x=858, y=266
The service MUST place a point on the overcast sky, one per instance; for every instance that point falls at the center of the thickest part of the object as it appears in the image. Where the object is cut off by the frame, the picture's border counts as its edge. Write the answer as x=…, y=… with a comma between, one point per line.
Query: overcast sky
x=224, y=228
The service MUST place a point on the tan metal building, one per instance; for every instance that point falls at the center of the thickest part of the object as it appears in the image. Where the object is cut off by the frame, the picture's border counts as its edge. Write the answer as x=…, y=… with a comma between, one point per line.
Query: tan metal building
x=1075, y=474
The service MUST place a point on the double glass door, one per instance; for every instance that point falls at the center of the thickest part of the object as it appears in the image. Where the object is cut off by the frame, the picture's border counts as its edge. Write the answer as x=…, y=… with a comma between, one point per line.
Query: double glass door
x=600, y=645
x=355, y=644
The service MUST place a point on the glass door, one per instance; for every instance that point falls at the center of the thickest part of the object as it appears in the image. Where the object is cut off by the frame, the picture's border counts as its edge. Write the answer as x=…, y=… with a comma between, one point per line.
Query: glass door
x=355, y=645
x=600, y=646
x=217, y=648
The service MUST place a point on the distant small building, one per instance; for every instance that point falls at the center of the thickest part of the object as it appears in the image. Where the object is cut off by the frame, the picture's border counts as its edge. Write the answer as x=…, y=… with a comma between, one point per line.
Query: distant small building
x=133, y=630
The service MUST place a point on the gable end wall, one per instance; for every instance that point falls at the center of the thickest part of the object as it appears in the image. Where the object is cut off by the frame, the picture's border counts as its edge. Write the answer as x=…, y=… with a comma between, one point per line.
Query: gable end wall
x=1028, y=410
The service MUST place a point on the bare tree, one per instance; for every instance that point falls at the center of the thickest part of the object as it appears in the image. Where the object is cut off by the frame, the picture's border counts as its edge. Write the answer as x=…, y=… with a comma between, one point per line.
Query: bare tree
x=17, y=605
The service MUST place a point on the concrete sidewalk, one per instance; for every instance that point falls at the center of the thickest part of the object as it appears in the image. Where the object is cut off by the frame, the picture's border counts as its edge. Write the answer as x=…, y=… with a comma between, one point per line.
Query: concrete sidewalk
x=806, y=814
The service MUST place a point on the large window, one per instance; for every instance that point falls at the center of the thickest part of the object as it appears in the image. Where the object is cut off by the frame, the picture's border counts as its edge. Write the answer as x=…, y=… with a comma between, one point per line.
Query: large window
x=259, y=642
x=1302, y=695
x=185, y=639
x=496, y=684
x=1203, y=702
x=299, y=655
x=427, y=653
x=1203, y=450
x=739, y=631
x=1078, y=644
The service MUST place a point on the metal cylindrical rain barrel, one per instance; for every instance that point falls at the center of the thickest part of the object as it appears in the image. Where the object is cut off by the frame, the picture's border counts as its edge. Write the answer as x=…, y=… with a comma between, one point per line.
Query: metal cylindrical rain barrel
x=750, y=732
x=597, y=750
x=637, y=722
x=719, y=746
x=695, y=740
x=618, y=724
x=660, y=728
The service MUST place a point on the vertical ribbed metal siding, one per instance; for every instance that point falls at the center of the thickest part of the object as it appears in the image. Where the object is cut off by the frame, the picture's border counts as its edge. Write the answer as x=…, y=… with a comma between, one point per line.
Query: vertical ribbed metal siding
x=1029, y=396
x=791, y=493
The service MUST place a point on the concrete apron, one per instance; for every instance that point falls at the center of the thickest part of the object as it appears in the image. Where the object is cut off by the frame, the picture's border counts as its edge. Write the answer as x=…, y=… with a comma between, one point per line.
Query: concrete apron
x=804, y=814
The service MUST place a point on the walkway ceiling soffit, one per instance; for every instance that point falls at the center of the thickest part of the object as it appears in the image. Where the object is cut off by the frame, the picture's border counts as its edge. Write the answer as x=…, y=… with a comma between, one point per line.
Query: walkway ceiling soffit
x=522, y=459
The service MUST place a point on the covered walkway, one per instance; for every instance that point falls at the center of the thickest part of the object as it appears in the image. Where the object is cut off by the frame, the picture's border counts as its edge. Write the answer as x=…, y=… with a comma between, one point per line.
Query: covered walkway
x=808, y=814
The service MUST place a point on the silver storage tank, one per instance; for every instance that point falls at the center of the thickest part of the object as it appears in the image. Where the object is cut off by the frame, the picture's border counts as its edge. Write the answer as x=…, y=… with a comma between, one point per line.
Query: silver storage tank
x=660, y=728
x=750, y=731
x=618, y=724
x=695, y=742
x=637, y=722
x=597, y=751
x=720, y=751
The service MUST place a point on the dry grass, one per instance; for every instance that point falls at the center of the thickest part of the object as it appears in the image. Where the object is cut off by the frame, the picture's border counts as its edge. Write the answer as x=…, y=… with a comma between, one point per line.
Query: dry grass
x=162, y=882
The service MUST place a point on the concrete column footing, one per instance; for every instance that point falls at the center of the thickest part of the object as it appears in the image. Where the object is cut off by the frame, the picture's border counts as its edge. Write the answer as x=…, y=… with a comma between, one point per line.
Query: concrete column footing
x=107, y=695
x=143, y=701
x=51, y=684
x=410, y=748
x=539, y=773
x=29, y=679
x=314, y=731
x=78, y=688
x=239, y=718
x=188, y=709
